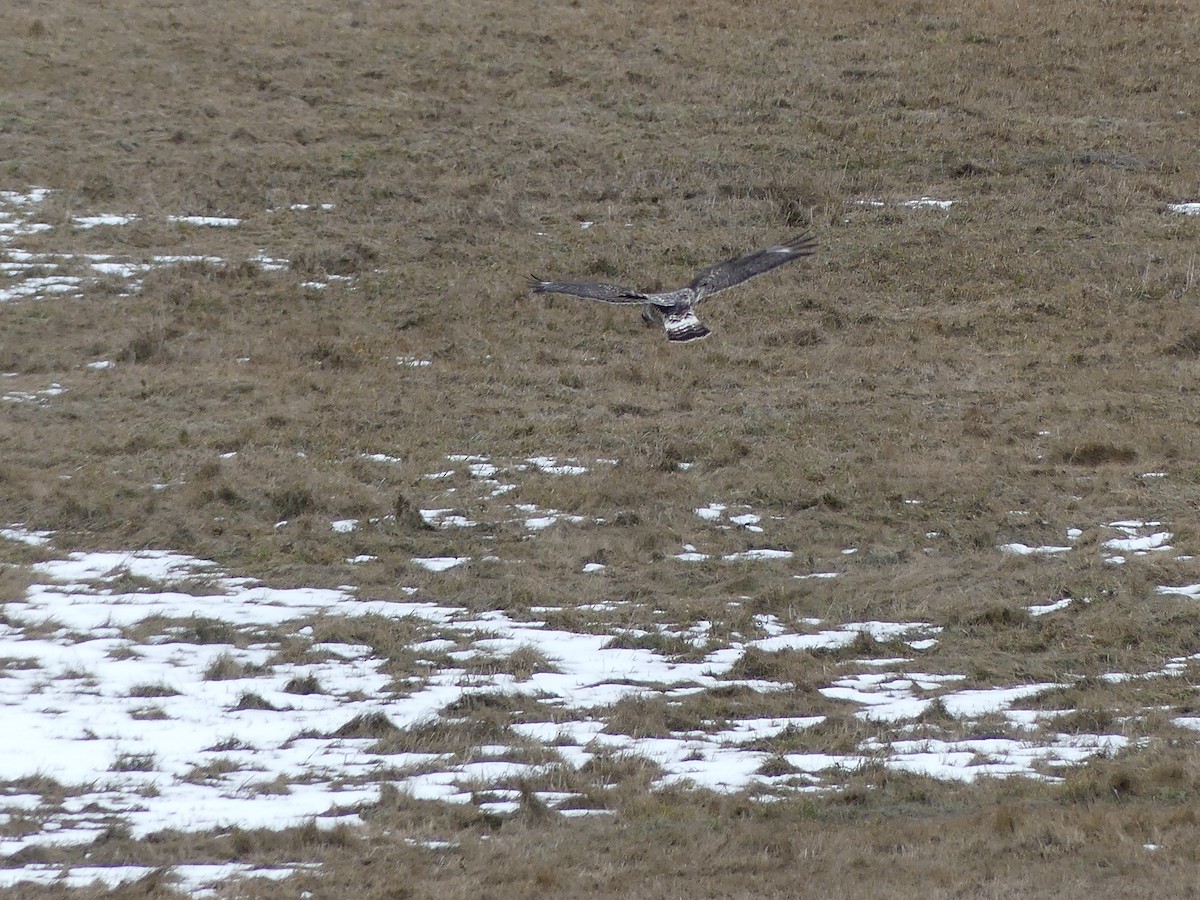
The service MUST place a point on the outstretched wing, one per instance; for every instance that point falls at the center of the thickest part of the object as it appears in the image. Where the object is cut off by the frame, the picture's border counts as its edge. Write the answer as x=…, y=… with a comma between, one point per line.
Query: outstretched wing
x=589, y=290
x=726, y=274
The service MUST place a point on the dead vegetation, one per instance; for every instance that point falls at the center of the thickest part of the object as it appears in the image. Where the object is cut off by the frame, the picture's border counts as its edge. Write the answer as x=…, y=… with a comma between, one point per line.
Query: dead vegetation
x=932, y=384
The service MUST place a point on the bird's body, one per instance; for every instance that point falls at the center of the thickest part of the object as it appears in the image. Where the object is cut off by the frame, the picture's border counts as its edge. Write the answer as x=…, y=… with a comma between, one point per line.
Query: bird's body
x=676, y=310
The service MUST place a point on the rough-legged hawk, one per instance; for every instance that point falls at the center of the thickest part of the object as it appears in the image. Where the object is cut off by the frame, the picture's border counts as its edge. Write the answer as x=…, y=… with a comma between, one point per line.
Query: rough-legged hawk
x=676, y=310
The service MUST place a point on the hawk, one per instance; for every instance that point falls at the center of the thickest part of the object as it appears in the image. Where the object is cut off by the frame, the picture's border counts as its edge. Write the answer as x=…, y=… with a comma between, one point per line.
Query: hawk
x=676, y=310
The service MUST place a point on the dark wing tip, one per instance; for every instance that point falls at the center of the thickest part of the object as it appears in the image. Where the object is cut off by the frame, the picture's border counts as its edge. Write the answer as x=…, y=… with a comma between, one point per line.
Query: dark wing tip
x=803, y=244
x=535, y=284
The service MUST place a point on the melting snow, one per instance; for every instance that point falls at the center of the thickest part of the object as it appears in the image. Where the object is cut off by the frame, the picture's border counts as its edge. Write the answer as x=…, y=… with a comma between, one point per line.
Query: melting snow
x=1191, y=591
x=1049, y=607
x=551, y=466
x=714, y=512
x=968, y=760
x=1156, y=541
x=918, y=203
x=441, y=563
x=1026, y=550
x=749, y=521
x=446, y=518
x=207, y=221
x=86, y=222
x=21, y=535
x=38, y=398
x=34, y=275
x=197, y=880
x=1138, y=540
x=764, y=553
x=141, y=732
x=922, y=202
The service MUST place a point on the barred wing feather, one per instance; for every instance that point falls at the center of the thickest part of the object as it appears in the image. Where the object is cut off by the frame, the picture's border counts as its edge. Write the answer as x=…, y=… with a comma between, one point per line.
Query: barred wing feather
x=725, y=275
x=589, y=290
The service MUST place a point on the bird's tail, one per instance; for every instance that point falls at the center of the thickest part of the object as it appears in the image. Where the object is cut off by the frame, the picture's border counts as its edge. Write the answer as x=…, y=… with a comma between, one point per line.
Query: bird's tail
x=684, y=326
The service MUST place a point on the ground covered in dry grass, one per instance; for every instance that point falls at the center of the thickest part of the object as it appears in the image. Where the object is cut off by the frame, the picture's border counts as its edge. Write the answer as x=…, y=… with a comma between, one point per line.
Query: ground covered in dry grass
x=332, y=561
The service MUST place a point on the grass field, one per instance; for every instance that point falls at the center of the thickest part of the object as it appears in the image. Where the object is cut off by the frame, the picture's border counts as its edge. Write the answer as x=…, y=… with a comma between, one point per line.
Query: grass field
x=333, y=561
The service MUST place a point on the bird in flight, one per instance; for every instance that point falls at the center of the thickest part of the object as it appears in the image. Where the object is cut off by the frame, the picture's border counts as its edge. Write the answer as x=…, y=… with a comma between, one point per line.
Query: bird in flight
x=676, y=310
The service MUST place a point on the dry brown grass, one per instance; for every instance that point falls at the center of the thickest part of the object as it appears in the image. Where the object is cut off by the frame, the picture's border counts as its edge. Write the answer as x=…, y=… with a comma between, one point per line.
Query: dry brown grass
x=919, y=356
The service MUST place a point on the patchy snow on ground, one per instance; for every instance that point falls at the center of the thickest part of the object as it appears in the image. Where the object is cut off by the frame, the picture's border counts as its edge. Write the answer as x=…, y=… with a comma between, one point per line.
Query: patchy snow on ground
x=917, y=203
x=1047, y=608
x=413, y=362
x=476, y=480
x=1018, y=549
x=1138, y=538
x=25, y=274
x=110, y=694
x=205, y=221
x=440, y=563
x=720, y=513
x=37, y=398
x=194, y=880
